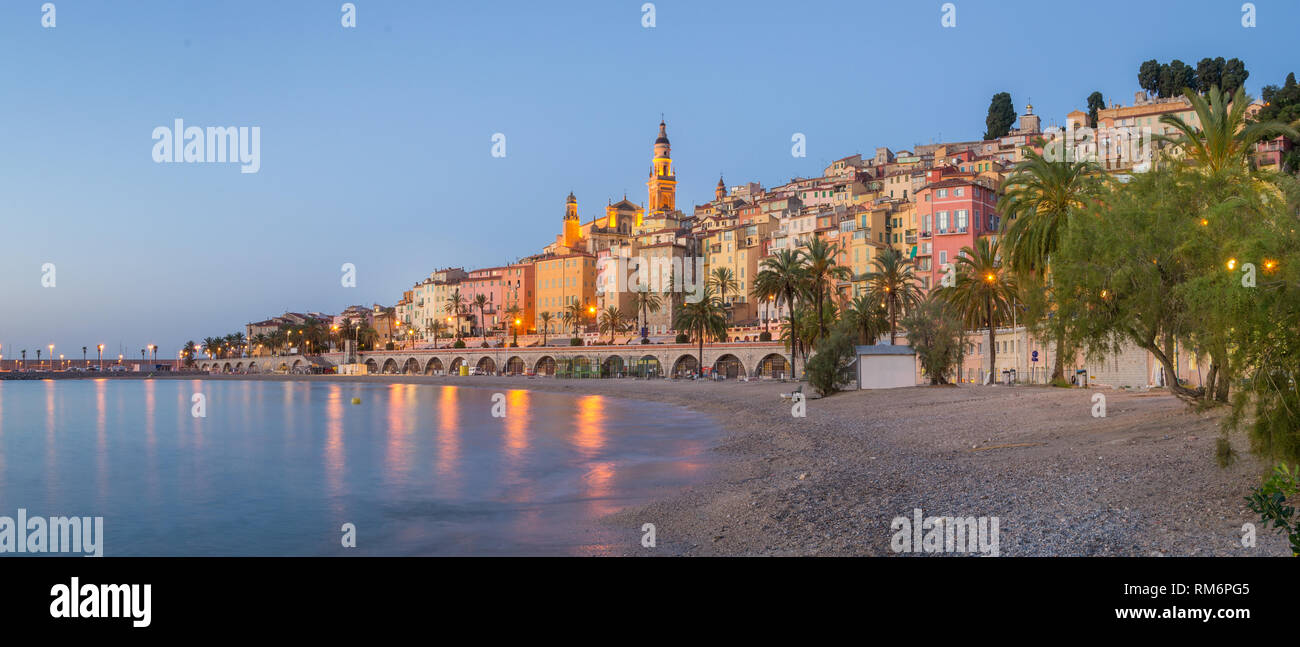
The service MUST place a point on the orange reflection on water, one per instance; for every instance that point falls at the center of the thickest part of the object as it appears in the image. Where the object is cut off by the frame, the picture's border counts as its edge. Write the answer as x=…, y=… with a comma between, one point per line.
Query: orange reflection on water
x=398, y=447
x=448, y=440
x=599, y=481
x=589, y=437
x=517, y=419
x=334, y=439
x=101, y=437
x=49, y=430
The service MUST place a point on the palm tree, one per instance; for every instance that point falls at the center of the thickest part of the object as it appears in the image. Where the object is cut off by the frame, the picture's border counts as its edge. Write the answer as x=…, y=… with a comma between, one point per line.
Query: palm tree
x=1224, y=140
x=820, y=270
x=211, y=346
x=646, y=302
x=870, y=318
x=723, y=280
x=702, y=318
x=512, y=320
x=455, y=305
x=481, y=302
x=1040, y=199
x=573, y=314
x=435, y=328
x=782, y=278
x=612, y=320
x=259, y=340
x=545, y=318
x=187, y=353
x=893, y=283
x=983, y=292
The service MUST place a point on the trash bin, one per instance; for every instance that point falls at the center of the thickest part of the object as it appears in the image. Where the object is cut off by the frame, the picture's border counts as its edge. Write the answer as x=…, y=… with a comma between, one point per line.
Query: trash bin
x=464, y=370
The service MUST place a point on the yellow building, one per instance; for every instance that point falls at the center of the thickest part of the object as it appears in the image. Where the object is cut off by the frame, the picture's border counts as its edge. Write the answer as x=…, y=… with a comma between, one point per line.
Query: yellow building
x=564, y=279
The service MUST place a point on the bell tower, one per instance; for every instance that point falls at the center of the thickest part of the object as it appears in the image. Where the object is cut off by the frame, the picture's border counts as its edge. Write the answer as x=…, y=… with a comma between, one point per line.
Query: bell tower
x=572, y=229
x=662, y=184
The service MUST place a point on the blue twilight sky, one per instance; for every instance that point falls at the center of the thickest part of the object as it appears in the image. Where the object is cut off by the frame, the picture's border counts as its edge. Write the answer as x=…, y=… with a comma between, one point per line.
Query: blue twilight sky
x=376, y=141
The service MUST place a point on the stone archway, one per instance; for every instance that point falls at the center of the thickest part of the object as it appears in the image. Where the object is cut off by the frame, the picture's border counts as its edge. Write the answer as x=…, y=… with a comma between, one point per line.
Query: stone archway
x=390, y=367
x=773, y=365
x=225, y=368
x=729, y=367
x=486, y=366
x=239, y=367
x=254, y=368
x=454, y=369
x=648, y=366
x=411, y=367
x=545, y=366
x=686, y=365
x=433, y=367
x=516, y=366
x=613, y=366
x=371, y=367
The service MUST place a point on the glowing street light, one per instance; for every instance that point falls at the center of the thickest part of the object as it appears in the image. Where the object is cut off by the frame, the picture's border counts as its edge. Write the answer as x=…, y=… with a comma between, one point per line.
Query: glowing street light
x=1232, y=264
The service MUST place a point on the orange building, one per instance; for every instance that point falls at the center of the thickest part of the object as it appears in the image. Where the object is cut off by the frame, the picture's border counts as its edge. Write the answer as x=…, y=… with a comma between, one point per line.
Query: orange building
x=564, y=279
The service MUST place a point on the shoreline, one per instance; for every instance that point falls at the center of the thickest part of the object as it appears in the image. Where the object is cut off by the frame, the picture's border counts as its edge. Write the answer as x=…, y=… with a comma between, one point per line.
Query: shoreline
x=1140, y=482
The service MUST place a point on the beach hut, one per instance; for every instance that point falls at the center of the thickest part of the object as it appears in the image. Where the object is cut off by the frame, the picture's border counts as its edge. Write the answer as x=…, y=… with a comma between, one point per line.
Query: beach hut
x=886, y=367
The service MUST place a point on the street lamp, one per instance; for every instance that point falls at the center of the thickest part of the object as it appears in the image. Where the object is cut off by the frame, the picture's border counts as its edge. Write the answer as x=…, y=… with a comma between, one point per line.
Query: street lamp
x=51, y=356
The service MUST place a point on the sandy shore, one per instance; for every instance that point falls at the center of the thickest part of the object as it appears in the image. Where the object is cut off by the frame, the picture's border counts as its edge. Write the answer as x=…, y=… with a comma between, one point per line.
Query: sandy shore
x=1142, y=481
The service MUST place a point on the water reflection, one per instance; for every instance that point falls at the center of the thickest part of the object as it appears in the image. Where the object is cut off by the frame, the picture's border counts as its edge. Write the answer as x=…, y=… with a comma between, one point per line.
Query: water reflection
x=275, y=468
x=334, y=450
x=448, y=448
x=589, y=430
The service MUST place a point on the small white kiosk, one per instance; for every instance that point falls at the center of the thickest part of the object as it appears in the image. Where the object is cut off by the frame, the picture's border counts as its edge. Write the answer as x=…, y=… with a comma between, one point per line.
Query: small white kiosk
x=886, y=367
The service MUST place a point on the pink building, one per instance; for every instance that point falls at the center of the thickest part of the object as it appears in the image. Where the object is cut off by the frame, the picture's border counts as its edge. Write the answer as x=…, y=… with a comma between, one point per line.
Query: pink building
x=953, y=209
x=491, y=283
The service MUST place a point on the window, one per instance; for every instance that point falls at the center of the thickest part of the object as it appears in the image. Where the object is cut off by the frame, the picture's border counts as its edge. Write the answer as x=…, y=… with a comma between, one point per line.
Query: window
x=943, y=257
x=943, y=193
x=962, y=217
x=943, y=222
x=959, y=192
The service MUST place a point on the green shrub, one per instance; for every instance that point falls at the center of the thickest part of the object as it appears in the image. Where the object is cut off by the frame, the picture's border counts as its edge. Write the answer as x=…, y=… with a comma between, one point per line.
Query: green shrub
x=827, y=369
x=575, y=341
x=1270, y=502
x=484, y=345
x=682, y=338
x=389, y=346
x=765, y=336
x=935, y=333
x=460, y=343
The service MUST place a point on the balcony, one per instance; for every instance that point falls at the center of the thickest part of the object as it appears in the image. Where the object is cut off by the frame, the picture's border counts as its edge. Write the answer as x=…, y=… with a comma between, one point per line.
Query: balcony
x=910, y=239
x=925, y=234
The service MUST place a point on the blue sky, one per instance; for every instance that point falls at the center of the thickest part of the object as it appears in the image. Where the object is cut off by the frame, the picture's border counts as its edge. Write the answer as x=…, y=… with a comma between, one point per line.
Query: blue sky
x=376, y=141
